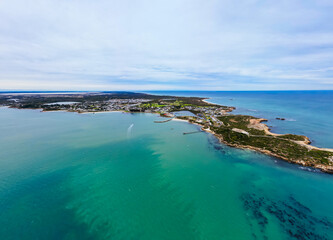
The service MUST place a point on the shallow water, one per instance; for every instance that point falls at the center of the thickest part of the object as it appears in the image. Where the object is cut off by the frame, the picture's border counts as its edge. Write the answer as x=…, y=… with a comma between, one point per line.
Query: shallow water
x=121, y=176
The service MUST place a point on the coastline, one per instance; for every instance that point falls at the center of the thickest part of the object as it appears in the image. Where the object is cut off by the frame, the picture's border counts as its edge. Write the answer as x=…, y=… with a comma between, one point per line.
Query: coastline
x=323, y=168
x=205, y=100
x=100, y=112
x=255, y=123
x=259, y=121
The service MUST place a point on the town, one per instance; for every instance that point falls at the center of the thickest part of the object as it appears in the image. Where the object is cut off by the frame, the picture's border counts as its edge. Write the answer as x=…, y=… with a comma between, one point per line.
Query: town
x=193, y=109
x=170, y=108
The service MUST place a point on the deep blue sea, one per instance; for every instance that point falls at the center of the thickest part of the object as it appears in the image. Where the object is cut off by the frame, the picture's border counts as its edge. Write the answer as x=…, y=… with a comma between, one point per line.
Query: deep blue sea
x=307, y=113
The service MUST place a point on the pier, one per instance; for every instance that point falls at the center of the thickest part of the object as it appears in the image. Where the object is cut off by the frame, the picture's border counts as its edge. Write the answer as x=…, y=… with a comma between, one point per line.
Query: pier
x=164, y=121
x=192, y=132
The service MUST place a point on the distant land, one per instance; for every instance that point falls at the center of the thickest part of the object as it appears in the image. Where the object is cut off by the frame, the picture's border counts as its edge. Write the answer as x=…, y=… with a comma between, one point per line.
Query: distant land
x=241, y=131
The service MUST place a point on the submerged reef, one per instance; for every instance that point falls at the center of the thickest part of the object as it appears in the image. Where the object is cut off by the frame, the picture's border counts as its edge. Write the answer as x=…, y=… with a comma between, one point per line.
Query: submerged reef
x=295, y=220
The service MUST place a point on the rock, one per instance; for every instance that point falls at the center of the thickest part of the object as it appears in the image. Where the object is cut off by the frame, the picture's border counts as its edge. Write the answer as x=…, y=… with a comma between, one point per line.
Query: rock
x=282, y=119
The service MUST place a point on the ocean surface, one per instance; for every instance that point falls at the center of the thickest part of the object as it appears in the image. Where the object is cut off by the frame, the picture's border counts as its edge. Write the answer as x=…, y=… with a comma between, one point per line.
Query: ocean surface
x=122, y=176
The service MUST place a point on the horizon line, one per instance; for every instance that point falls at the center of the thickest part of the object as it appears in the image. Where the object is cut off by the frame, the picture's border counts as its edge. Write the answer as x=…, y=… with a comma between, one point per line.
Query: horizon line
x=106, y=91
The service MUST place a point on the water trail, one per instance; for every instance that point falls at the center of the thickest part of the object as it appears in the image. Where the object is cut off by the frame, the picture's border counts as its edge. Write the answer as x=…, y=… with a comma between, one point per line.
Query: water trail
x=129, y=130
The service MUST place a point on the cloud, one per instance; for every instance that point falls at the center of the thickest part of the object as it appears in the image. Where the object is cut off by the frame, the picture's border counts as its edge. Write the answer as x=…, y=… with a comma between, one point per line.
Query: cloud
x=183, y=44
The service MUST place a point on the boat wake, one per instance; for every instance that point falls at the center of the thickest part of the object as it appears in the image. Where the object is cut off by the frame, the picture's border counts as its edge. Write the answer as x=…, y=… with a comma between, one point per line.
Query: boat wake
x=129, y=130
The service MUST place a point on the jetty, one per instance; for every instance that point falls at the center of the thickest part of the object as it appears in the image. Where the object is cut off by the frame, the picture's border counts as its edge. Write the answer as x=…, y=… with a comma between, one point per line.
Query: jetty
x=192, y=132
x=164, y=121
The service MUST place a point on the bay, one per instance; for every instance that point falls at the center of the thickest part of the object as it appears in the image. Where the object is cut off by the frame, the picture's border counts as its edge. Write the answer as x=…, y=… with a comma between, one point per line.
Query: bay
x=122, y=176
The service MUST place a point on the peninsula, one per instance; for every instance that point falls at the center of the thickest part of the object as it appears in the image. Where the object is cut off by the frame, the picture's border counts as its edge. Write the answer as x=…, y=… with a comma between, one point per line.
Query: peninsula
x=239, y=131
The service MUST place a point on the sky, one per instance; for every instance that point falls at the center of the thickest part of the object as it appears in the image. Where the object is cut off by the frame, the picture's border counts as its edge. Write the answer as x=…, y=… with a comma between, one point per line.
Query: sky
x=166, y=45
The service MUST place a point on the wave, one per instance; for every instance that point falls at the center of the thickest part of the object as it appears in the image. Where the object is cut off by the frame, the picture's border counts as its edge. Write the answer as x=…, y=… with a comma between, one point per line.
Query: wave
x=309, y=169
x=291, y=120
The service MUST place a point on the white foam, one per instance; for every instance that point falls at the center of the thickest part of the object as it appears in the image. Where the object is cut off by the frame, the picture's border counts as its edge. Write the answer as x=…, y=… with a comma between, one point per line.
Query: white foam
x=129, y=130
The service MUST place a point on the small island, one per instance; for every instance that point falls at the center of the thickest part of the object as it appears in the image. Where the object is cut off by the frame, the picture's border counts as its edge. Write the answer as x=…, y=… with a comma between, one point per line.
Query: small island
x=239, y=131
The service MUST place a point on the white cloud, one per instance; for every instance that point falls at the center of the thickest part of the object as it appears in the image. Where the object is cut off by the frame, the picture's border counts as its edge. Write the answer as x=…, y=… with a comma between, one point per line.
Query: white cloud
x=181, y=44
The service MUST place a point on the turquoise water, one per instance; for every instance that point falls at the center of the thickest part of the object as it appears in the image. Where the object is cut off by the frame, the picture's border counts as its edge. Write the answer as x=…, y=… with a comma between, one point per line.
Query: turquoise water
x=121, y=176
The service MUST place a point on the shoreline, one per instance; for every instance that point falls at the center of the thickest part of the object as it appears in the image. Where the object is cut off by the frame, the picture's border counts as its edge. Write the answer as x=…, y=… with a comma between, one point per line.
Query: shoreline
x=321, y=167
x=262, y=126
x=255, y=123
x=267, y=130
x=205, y=100
x=100, y=112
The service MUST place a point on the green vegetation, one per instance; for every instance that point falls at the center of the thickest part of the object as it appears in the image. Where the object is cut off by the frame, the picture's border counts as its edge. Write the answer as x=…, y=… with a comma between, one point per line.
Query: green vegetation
x=151, y=105
x=283, y=146
x=240, y=122
x=293, y=137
